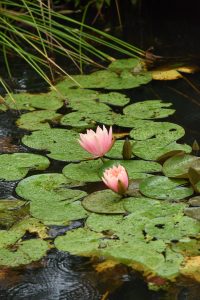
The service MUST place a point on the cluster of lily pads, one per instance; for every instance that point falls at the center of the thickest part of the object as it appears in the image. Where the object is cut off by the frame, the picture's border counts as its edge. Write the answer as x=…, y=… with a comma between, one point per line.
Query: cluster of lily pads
x=154, y=229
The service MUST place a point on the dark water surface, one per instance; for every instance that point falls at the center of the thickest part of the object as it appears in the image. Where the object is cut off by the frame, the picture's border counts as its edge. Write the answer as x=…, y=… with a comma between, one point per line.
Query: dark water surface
x=60, y=276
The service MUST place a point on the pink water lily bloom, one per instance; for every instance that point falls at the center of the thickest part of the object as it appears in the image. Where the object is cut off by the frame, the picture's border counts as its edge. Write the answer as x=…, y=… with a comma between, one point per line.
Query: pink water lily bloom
x=116, y=178
x=97, y=143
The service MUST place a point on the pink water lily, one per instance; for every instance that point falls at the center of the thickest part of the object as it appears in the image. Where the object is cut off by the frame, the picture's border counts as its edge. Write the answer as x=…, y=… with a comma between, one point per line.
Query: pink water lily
x=97, y=143
x=116, y=178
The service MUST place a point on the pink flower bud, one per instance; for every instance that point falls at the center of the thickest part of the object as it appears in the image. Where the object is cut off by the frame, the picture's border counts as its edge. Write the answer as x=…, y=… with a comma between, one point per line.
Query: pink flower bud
x=97, y=143
x=116, y=178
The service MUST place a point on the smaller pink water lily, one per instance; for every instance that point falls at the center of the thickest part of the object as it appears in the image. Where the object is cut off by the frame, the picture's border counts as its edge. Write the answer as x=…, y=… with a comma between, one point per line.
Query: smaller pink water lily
x=116, y=178
x=97, y=143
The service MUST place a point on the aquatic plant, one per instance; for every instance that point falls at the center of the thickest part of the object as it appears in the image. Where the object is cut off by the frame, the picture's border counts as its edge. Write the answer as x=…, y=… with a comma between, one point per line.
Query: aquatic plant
x=116, y=178
x=97, y=143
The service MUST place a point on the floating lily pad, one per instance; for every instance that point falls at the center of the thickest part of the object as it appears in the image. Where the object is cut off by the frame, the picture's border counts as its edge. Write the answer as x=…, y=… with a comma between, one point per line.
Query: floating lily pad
x=151, y=208
x=89, y=107
x=163, y=188
x=79, y=241
x=37, y=120
x=87, y=171
x=194, y=201
x=136, y=169
x=49, y=187
x=78, y=120
x=113, y=98
x=23, y=253
x=149, y=109
x=27, y=101
x=107, y=79
x=104, y=223
x=178, y=165
x=150, y=129
x=156, y=148
x=16, y=166
x=116, y=150
x=172, y=228
x=104, y=202
x=125, y=64
x=58, y=213
x=194, y=177
x=61, y=143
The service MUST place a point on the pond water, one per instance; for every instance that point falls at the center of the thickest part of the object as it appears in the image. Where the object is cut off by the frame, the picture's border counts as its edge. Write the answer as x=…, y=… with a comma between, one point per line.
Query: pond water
x=60, y=275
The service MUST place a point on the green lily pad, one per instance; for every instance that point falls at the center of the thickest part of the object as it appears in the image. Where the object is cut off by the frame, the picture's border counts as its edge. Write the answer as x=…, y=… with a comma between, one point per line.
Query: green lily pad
x=104, y=202
x=23, y=253
x=104, y=223
x=16, y=166
x=114, y=98
x=77, y=119
x=79, y=242
x=89, y=107
x=86, y=170
x=58, y=213
x=27, y=101
x=151, y=208
x=194, y=177
x=61, y=143
x=178, y=165
x=116, y=150
x=78, y=94
x=136, y=169
x=49, y=187
x=108, y=80
x=172, y=228
x=37, y=120
x=125, y=64
x=150, y=129
x=163, y=188
x=156, y=148
x=149, y=109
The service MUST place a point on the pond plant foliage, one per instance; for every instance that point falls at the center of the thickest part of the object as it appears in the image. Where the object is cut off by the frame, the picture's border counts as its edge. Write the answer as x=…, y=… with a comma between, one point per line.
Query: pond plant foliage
x=152, y=227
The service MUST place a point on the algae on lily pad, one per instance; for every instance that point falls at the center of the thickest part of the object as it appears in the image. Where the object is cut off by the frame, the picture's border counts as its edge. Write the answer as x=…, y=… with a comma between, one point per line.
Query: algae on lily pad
x=114, y=98
x=23, y=253
x=104, y=222
x=53, y=187
x=178, y=165
x=104, y=202
x=149, y=109
x=27, y=101
x=38, y=120
x=16, y=165
x=164, y=188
